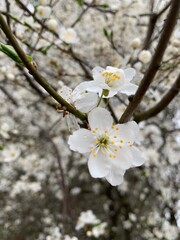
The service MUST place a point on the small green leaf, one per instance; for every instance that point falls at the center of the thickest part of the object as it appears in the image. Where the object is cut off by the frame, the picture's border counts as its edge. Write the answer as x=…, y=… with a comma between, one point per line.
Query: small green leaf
x=106, y=33
x=1, y=148
x=80, y=2
x=143, y=173
x=105, y=5
x=10, y=52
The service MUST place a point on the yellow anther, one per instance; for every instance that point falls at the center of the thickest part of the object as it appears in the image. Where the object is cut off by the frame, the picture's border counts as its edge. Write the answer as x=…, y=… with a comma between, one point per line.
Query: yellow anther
x=114, y=156
x=92, y=150
x=115, y=136
x=112, y=126
x=97, y=142
x=103, y=152
x=106, y=131
x=94, y=154
x=102, y=144
x=130, y=145
x=115, y=149
x=120, y=146
x=112, y=142
x=94, y=131
x=121, y=141
x=117, y=128
x=110, y=155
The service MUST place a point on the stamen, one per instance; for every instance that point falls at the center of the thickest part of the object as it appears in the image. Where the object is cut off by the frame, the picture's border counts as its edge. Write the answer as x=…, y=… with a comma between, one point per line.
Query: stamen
x=94, y=154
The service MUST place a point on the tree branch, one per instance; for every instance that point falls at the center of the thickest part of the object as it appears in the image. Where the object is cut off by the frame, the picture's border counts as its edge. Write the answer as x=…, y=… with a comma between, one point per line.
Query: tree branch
x=162, y=104
x=37, y=76
x=155, y=62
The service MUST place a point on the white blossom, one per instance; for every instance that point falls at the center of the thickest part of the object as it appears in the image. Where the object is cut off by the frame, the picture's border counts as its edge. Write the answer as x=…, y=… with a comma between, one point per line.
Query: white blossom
x=69, y=35
x=82, y=100
x=112, y=80
x=43, y=12
x=10, y=153
x=86, y=218
x=110, y=146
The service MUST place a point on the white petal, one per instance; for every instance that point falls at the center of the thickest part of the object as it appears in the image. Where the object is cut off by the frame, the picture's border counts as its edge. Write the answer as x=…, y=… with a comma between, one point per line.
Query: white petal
x=123, y=160
x=100, y=118
x=129, y=89
x=97, y=70
x=115, y=176
x=97, y=75
x=81, y=88
x=127, y=132
x=98, y=166
x=66, y=93
x=81, y=140
x=86, y=102
x=137, y=157
x=91, y=86
x=129, y=74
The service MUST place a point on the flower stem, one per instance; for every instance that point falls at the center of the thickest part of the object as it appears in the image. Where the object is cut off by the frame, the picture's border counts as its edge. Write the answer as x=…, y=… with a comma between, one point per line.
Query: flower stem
x=100, y=99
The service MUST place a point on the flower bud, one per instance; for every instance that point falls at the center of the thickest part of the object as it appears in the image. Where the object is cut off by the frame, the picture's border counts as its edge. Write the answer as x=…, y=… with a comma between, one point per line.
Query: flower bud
x=136, y=43
x=145, y=56
x=52, y=24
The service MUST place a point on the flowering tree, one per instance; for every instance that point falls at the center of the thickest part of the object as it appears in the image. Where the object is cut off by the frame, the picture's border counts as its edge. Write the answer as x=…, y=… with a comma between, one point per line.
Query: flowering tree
x=86, y=92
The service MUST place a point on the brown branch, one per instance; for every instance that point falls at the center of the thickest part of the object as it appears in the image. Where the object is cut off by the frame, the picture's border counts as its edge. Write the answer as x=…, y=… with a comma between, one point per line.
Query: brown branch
x=155, y=62
x=162, y=104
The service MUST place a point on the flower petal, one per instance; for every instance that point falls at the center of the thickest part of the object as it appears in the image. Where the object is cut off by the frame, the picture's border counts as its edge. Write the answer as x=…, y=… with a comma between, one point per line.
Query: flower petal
x=123, y=160
x=100, y=118
x=137, y=157
x=127, y=132
x=97, y=71
x=115, y=176
x=129, y=73
x=99, y=165
x=66, y=93
x=81, y=140
x=86, y=102
x=129, y=89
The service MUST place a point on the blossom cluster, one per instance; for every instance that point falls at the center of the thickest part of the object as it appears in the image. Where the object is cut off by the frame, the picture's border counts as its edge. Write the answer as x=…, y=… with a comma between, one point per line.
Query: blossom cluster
x=111, y=147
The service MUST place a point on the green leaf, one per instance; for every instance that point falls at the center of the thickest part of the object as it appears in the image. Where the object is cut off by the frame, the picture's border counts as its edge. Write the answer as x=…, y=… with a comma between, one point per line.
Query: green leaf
x=105, y=5
x=106, y=33
x=1, y=148
x=80, y=2
x=10, y=52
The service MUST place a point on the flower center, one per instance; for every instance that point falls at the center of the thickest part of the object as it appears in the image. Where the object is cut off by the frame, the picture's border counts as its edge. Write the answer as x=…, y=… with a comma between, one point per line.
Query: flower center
x=110, y=77
x=102, y=141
